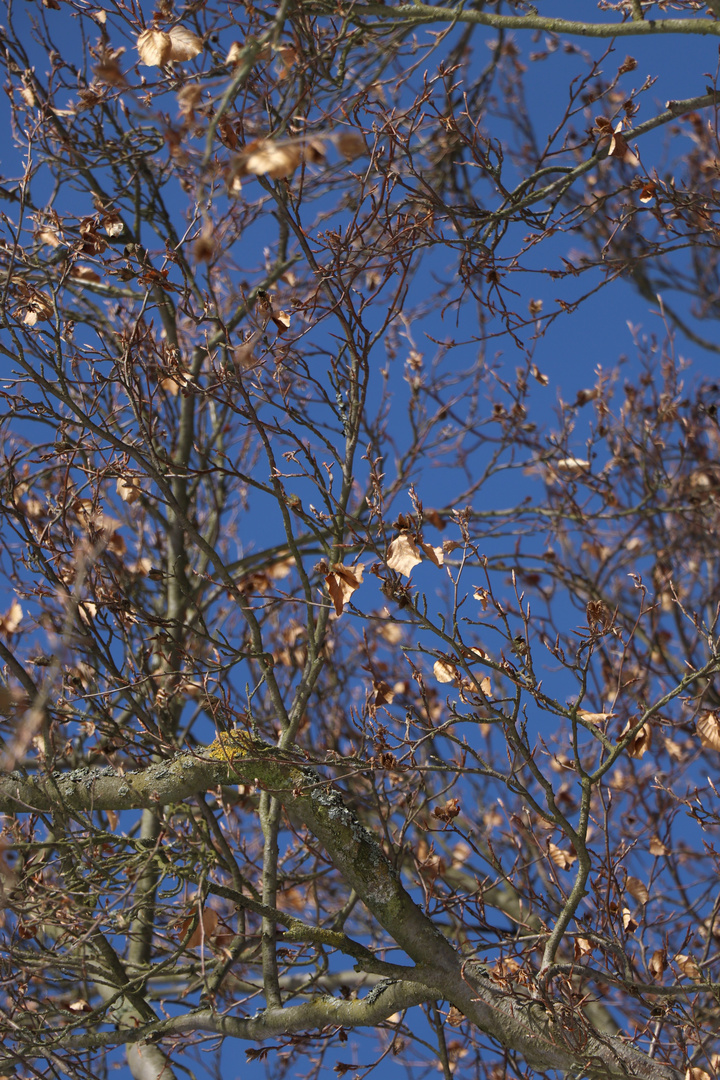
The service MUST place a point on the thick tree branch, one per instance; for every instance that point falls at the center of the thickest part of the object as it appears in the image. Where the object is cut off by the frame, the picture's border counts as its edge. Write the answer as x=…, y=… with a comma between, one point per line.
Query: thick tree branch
x=537, y=1030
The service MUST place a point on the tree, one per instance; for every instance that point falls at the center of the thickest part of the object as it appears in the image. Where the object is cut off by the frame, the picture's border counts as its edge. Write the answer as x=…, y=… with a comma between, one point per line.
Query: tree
x=344, y=685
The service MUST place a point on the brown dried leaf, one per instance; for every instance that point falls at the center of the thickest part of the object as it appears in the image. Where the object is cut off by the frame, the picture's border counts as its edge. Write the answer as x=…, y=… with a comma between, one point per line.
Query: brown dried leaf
x=583, y=947
x=689, y=967
x=154, y=48
x=637, y=890
x=563, y=859
x=384, y=694
x=341, y=583
x=693, y=1072
x=642, y=741
x=351, y=144
x=450, y=810
x=435, y=554
x=647, y=192
x=403, y=555
x=619, y=148
x=206, y=927
x=708, y=728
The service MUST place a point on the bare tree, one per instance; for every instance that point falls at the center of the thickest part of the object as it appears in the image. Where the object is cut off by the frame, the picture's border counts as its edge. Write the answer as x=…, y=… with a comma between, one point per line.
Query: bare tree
x=344, y=684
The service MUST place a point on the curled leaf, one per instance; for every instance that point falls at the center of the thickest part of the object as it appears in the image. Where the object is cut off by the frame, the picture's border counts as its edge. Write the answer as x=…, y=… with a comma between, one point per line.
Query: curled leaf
x=341, y=583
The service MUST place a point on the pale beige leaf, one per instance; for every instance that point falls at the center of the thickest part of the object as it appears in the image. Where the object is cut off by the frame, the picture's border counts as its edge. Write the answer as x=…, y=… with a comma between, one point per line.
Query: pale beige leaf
x=657, y=964
x=10, y=621
x=128, y=488
x=583, y=947
x=188, y=98
x=184, y=44
x=275, y=160
x=629, y=922
x=637, y=890
x=594, y=717
x=563, y=859
x=689, y=966
x=79, y=1005
x=234, y=54
x=154, y=48
x=444, y=671
x=403, y=555
x=708, y=728
x=693, y=1072
x=434, y=554
x=572, y=465
x=656, y=847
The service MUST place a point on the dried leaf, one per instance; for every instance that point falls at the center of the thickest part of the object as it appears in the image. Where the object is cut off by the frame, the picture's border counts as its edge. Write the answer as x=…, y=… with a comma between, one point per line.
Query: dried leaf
x=619, y=148
x=341, y=583
x=384, y=694
x=693, y=1072
x=206, y=927
x=154, y=48
x=79, y=1005
x=184, y=44
x=272, y=159
x=444, y=671
x=572, y=465
x=128, y=488
x=583, y=947
x=188, y=99
x=657, y=963
x=647, y=192
x=234, y=54
x=10, y=621
x=708, y=728
x=450, y=810
x=640, y=744
x=657, y=848
x=594, y=717
x=689, y=966
x=563, y=859
x=351, y=144
x=637, y=890
x=435, y=554
x=629, y=923
x=403, y=555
